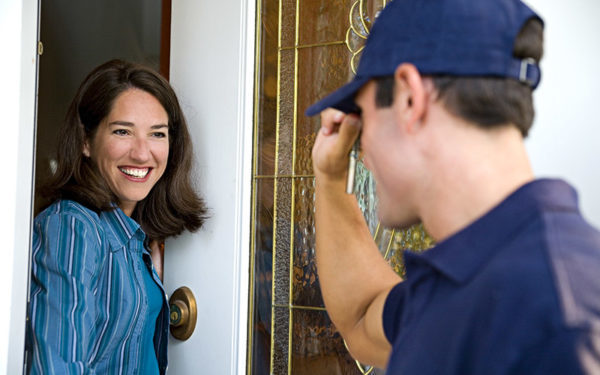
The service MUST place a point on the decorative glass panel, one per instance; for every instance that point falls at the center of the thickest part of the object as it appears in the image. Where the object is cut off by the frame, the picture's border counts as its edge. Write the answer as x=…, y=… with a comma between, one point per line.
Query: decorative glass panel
x=316, y=16
x=317, y=347
x=306, y=290
x=261, y=292
x=304, y=50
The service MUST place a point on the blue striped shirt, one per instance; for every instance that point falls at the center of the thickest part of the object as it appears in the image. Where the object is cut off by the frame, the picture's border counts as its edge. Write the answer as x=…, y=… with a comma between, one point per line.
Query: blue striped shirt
x=88, y=309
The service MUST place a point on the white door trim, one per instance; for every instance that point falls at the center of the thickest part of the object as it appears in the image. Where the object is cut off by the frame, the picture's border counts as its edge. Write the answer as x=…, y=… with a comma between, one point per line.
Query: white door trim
x=18, y=38
x=245, y=127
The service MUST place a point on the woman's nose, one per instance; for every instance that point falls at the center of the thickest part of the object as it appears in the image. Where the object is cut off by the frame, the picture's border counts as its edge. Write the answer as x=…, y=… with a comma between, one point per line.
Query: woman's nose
x=140, y=151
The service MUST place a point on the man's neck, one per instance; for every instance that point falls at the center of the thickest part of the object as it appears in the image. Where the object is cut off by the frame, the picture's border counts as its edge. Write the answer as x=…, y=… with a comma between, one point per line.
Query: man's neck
x=473, y=170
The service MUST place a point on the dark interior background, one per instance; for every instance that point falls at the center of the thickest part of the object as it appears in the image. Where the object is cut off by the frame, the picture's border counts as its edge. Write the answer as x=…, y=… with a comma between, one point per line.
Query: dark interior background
x=78, y=36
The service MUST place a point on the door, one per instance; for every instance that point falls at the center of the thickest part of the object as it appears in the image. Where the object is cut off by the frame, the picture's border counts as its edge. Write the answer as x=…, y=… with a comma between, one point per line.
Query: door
x=212, y=72
x=305, y=50
x=252, y=145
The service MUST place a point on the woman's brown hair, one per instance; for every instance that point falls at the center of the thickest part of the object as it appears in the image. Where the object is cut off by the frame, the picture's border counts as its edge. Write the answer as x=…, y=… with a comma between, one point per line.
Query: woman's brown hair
x=172, y=205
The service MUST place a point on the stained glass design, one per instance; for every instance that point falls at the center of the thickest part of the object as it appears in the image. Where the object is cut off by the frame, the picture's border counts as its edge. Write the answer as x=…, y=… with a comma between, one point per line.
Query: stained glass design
x=304, y=50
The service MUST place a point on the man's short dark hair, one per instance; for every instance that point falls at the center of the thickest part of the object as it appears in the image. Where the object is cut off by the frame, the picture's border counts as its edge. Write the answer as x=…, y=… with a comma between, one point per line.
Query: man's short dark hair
x=486, y=101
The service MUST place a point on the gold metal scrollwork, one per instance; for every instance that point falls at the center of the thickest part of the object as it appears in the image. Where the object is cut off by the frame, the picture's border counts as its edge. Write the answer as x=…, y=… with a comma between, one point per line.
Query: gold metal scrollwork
x=358, y=30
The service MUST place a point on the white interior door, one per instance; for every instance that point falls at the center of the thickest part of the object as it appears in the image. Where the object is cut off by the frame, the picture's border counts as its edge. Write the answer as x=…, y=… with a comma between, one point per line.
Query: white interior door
x=212, y=71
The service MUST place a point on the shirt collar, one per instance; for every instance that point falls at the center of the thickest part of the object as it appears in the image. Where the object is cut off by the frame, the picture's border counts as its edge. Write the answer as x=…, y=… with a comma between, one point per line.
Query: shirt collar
x=463, y=254
x=120, y=228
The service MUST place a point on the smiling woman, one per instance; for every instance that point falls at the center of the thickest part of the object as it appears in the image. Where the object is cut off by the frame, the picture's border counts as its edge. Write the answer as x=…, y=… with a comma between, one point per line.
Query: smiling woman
x=131, y=147
x=121, y=186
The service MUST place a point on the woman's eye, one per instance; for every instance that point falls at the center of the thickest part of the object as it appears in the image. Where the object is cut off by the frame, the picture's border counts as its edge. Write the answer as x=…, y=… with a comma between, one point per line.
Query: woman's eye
x=159, y=135
x=120, y=132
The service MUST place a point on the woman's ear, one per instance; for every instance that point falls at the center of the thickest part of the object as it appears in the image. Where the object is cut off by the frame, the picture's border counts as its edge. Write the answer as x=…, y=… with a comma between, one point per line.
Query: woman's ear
x=86, y=149
x=410, y=91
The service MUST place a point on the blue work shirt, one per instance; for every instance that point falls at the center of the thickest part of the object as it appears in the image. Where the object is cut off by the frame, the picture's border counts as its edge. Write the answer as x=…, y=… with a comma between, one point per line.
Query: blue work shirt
x=90, y=308
x=515, y=292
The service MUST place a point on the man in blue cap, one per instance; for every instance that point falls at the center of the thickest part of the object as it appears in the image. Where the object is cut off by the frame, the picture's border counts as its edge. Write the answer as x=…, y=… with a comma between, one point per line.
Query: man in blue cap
x=442, y=102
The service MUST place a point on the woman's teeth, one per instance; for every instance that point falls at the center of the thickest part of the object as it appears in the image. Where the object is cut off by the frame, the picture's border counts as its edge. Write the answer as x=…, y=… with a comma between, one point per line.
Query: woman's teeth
x=135, y=172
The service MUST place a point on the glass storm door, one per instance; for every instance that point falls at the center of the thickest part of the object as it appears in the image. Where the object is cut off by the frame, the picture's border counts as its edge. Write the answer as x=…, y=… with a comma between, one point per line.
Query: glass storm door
x=305, y=49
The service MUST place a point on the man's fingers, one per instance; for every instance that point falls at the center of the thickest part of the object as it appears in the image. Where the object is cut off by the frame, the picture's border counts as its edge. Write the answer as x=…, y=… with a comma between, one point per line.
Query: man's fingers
x=330, y=120
x=348, y=133
x=338, y=133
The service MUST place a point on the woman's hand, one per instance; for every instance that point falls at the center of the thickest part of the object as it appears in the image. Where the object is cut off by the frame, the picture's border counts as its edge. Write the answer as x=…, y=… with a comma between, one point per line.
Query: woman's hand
x=157, y=251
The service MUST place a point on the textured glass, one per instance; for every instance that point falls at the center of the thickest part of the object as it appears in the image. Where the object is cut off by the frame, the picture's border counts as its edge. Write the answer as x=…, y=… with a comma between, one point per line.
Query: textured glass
x=383, y=241
x=288, y=23
x=320, y=71
x=303, y=154
x=414, y=239
x=281, y=341
x=364, y=188
x=316, y=21
x=292, y=74
x=282, y=241
x=262, y=272
x=285, y=141
x=306, y=290
x=317, y=347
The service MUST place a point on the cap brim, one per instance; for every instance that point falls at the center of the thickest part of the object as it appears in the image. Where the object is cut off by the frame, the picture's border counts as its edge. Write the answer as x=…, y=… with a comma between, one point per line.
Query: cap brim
x=342, y=98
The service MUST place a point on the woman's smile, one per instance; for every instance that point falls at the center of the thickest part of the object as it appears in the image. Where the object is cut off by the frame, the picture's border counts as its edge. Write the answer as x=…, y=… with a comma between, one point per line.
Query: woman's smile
x=131, y=146
x=135, y=174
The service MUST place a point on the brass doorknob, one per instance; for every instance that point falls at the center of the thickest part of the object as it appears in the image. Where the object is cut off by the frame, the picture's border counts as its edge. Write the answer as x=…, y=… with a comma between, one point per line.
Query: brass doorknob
x=183, y=313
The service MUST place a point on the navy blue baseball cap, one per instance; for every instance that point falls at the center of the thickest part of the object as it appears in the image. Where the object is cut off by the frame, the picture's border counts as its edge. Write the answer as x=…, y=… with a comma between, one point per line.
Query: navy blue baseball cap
x=446, y=37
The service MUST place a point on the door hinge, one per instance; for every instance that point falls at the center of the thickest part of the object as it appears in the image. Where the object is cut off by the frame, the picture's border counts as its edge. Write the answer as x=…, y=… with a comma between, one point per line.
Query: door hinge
x=40, y=48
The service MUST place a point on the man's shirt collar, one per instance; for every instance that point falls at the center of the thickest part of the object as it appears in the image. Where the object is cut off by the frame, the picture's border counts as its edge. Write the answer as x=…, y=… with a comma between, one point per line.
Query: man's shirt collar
x=462, y=255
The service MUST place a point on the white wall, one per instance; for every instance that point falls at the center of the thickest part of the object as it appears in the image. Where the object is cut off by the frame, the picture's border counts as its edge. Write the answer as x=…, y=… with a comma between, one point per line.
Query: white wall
x=565, y=140
x=18, y=36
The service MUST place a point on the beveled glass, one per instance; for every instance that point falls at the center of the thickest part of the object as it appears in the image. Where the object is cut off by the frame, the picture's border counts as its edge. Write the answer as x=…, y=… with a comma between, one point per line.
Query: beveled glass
x=266, y=90
x=364, y=188
x=263, y=276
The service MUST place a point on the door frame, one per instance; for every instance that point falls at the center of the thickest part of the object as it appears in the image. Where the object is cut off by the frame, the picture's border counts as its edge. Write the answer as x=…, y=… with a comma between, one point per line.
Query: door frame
x=18, y=37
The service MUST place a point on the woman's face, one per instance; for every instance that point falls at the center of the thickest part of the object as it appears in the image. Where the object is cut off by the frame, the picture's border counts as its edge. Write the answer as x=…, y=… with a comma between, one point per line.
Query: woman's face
x=131, y=146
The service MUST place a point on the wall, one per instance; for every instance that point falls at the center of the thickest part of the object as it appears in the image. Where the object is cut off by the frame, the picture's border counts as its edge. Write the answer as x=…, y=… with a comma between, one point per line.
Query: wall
x=565, y=140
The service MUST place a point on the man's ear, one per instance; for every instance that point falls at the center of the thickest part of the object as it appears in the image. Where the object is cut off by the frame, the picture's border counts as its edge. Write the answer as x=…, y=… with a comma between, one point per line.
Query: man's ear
x=409, y=95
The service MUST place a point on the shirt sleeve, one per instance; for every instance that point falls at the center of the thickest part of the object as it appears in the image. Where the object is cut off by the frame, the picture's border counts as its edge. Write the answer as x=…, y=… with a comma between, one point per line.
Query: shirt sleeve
x=392, y=311
x=574, y=352
x=66, y=260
